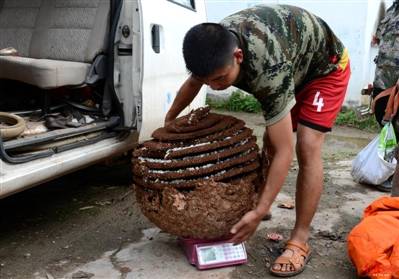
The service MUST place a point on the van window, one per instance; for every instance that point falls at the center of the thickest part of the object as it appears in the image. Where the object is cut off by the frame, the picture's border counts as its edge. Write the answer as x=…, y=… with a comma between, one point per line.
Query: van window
x=185, y=3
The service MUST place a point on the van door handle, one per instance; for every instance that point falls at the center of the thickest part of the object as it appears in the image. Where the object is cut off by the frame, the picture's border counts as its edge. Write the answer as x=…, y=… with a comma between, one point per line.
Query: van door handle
x=155, y=38
x=125, y=49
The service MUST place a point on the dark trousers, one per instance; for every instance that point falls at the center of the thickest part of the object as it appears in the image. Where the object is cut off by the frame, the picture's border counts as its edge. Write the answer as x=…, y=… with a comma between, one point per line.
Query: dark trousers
x=380, y=105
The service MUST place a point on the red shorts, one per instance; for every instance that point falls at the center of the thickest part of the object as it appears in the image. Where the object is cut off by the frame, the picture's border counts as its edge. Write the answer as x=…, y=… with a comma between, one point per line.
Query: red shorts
x=319, y=101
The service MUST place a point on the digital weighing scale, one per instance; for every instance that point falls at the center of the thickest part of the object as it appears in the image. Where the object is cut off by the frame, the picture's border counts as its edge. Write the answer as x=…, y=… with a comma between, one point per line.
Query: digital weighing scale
x=205, y=254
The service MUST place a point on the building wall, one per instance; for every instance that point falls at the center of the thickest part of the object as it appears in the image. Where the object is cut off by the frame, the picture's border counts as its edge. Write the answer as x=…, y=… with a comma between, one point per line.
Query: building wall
x=353, y=21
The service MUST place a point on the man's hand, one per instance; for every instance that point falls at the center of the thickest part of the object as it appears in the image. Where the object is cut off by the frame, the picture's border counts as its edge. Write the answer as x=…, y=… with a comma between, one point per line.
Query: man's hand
x=246, y=226
x=167, y=122
x=375, y=41
x=185, y=95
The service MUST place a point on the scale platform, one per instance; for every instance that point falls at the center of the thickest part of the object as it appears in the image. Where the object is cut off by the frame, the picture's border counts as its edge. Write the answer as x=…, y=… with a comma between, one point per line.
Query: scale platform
x=207, y=254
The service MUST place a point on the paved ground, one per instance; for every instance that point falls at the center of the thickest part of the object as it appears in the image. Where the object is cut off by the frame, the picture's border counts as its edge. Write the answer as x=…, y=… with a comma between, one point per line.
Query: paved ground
x=87, y=225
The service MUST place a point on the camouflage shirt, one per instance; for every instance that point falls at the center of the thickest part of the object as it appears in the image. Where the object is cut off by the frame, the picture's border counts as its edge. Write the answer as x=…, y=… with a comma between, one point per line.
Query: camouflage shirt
x=387, y=60
x=284, y=48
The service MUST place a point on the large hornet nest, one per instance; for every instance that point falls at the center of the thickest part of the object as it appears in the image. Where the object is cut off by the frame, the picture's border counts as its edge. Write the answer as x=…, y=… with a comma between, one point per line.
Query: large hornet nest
x=196, y=178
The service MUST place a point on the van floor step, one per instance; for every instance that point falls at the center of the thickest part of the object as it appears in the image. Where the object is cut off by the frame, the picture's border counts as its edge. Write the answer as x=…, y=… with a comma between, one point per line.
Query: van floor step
x=27, y=157
x=61, y=134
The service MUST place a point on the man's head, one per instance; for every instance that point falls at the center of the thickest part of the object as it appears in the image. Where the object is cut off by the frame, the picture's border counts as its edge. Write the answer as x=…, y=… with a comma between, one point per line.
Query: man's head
x=212, y=55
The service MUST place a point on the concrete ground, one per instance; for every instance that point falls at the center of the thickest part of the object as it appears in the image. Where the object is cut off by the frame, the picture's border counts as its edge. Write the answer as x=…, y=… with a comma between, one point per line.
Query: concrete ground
x=88, y=225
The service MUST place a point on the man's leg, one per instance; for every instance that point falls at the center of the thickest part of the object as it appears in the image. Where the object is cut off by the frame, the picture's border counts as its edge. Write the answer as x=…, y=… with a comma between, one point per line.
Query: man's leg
x=317, y=107
x=309, y=185
x=309, y=181
x=380, y=105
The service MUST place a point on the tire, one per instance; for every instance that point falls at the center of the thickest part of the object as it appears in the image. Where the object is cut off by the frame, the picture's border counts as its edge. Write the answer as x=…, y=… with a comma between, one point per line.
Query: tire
x=17, y=125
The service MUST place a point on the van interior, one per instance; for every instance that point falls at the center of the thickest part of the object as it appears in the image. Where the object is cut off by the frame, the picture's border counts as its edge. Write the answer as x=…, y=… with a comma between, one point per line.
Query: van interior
x=56, y=76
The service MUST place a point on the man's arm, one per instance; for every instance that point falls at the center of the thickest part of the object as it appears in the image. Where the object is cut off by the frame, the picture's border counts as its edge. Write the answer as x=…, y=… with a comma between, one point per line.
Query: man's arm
x=280, y=138
x=184, y=97
x=281, y=141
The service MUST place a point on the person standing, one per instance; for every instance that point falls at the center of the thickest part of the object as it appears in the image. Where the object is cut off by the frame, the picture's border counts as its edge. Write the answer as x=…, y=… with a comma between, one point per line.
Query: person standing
x=387, y=60
x=386, y=71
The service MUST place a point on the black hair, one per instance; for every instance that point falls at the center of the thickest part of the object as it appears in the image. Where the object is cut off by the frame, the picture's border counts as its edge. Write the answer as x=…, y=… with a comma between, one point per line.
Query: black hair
x=208, y=47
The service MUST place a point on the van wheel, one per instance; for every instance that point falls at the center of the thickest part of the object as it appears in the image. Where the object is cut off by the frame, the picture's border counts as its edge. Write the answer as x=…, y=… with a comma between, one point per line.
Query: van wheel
x=11, y=125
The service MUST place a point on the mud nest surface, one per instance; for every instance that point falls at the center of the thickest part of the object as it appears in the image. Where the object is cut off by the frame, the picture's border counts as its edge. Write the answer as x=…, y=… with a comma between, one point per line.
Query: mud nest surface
x=197, y=177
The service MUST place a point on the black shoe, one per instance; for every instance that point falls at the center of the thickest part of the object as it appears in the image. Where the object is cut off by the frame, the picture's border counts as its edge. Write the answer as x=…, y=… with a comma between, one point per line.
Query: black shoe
x=385, y=186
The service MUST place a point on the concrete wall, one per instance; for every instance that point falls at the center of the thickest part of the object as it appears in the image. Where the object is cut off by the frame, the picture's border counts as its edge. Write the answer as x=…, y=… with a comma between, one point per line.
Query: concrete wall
x=354, y=22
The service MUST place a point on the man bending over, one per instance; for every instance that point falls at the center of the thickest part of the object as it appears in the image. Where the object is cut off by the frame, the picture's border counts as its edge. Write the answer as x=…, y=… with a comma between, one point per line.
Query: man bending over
x=295, y=66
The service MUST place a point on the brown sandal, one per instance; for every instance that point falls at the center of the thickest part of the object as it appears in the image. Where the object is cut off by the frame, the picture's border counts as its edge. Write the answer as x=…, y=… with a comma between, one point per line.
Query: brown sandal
x=301, y=254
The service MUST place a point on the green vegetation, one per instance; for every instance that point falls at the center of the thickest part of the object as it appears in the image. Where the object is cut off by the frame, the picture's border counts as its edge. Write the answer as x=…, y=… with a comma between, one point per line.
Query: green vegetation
x=238, y=101
x=349, y=117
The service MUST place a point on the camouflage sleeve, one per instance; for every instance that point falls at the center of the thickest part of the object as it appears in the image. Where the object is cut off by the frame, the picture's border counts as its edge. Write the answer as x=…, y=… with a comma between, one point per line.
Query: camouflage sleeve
x=276, y=92
x=381, y=28
x=380, y=19
x=378, y=32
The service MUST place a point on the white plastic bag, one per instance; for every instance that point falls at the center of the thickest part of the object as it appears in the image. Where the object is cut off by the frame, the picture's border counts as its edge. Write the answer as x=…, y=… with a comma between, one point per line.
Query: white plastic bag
x=375, y=163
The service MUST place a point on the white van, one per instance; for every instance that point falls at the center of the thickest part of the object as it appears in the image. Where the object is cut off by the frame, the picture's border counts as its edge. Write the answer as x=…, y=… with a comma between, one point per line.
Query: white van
x=84, y=80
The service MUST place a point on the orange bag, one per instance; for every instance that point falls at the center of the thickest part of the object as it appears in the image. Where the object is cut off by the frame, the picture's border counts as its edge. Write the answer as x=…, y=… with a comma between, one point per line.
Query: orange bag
x=373, y=245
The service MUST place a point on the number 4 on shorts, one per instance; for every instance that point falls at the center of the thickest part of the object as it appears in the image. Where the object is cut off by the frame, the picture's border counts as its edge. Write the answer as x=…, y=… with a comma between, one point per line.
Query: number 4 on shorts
x=318, y=101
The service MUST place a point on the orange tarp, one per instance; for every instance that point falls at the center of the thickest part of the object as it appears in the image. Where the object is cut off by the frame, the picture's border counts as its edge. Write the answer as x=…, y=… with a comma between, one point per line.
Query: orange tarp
x=373, y=245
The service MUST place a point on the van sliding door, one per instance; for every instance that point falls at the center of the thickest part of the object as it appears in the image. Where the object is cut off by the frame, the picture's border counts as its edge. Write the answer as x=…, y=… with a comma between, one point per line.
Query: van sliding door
x=128, y=54
x=164, y=24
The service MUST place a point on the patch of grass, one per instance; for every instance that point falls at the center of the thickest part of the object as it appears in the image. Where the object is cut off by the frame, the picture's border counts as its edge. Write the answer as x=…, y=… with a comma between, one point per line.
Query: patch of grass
x=238, y=101
x=216, y=104
x=348, y=117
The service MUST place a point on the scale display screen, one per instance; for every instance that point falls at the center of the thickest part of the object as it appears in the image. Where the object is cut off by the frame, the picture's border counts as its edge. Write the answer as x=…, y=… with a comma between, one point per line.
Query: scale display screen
x=220, y=254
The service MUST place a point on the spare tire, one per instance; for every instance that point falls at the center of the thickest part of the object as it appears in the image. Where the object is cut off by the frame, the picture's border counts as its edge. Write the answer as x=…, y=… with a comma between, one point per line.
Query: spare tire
x=11, y=125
